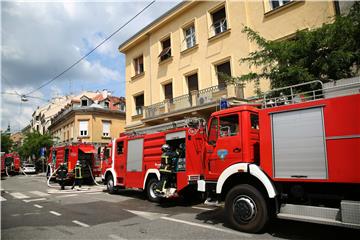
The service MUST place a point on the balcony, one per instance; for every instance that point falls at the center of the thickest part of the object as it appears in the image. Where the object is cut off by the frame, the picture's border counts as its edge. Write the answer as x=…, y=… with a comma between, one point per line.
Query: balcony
x=197, y=100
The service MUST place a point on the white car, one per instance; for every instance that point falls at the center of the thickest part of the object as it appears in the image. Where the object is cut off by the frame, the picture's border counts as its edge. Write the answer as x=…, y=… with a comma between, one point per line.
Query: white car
x=29, y=168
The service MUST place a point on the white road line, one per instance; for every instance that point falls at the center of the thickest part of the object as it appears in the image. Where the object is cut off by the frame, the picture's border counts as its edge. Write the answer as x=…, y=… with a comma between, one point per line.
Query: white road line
x=2, y=199
x=55, y=213
x=93, y=193
x=202, y=208
x=6, y=191
x=38, y=206
x=69, y=195
x=19, y=195
x=116, y=237
x=208, y=227
x=40, y=194
x=80, y=223
x=34, y=200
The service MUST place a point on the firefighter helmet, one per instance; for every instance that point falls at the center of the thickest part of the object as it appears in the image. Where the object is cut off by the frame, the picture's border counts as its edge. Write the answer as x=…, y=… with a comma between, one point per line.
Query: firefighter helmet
x=165, y=148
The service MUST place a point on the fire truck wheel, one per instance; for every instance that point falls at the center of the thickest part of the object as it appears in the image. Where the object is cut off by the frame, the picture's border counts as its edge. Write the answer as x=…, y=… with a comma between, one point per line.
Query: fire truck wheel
x=150, y=190
x=110, y=184
x=246, y=209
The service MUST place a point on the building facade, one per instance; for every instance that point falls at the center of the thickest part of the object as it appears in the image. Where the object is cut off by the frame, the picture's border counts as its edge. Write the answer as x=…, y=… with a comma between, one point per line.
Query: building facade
x=94, y=119
x=175, y=66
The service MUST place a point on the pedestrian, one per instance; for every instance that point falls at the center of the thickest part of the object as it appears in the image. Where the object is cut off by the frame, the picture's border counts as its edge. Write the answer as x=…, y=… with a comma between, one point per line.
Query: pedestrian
x=62, y=174
x=78, y=175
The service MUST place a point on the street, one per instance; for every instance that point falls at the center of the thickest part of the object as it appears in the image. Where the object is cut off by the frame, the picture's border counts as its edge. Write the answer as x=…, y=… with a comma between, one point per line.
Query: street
x=32, y=210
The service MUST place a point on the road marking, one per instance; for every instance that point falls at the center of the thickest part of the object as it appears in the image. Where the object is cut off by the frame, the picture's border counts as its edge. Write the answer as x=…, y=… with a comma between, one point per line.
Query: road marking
x=19, y=195
x=34, y=200
x=2, y=199
x=202, y=208
x=69, y=195
x=80, y=223
x=27, y=214
x=93, y=193
x=116, y=237
x=55, y=213
x=207, y=227
x=40, y=194
x=148, y=215
x=38, y=206
x=15, y=215
x=6, y=191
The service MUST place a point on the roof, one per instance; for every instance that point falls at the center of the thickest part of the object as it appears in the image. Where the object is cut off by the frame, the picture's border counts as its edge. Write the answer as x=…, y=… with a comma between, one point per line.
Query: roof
x=147, y=29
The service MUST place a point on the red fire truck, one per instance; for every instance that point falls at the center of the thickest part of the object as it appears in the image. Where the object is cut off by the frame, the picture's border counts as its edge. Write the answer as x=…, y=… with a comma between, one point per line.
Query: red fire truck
x=12, y=163
x=69, y=155
x=2, y=163
x=132, y=161
x=296, y=158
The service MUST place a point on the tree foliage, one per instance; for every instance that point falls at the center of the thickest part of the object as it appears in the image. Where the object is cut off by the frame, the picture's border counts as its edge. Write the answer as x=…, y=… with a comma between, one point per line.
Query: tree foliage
x=33, y=142
x=326, y=53
x=6, y=143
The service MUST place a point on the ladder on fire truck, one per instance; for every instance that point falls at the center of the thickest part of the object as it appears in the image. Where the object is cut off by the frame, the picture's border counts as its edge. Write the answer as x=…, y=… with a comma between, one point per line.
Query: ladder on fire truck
x=308, y=91
x=187, y=122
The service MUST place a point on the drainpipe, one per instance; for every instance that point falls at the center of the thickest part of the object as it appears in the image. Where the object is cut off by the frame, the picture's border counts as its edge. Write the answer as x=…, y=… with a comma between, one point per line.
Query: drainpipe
x=337, y=8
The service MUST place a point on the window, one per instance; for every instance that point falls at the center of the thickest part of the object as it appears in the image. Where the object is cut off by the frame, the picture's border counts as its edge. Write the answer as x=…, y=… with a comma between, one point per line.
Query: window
x=223, y=70
x=106, y=104
x=66, y=155
x=213, y=131
x=229, y=125
x=278, y=3
x=106, y=128
x=139, y=65
x=166, y=49
x=219, y=23
x=122, y=107
x=139, y=104
x=168, y=91
x=83, y=128
x=192, y=82
x=84, y=102
x=120, y=147
x=189, y=34
x=254, y=119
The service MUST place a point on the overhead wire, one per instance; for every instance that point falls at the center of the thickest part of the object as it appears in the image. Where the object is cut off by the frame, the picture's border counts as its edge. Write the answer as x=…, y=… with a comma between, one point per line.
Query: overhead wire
x=87, y=54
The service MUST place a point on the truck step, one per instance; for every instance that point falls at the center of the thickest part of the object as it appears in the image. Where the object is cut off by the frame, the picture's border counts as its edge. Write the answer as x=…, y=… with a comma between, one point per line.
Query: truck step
x=321, y=215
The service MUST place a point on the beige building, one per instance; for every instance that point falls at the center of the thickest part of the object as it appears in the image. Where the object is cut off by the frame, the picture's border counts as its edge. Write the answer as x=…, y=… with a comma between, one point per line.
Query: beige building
x=172, y=65
x=94, y=119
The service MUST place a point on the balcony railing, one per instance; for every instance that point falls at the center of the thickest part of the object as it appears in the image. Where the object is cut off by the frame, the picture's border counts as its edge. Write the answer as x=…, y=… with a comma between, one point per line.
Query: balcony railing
x=205, y=96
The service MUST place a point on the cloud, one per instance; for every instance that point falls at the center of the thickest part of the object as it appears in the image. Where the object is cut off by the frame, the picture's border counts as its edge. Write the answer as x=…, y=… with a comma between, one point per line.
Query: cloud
x=41, y=39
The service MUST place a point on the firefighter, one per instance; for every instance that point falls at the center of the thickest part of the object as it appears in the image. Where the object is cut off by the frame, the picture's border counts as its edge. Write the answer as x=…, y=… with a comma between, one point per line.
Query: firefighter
x=62, y=174
x=78, y=175
x=166, y=169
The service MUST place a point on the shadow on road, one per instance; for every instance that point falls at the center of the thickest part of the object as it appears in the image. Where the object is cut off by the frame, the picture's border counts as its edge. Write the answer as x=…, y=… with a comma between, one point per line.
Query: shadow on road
x=286, y=229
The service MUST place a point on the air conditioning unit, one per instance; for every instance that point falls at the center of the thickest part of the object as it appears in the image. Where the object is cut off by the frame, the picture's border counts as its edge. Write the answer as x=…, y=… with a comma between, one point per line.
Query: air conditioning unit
x=203, y=100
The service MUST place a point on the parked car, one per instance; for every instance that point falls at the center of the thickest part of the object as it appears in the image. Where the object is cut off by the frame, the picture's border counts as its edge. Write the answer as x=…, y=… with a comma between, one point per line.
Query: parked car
x=29, y=168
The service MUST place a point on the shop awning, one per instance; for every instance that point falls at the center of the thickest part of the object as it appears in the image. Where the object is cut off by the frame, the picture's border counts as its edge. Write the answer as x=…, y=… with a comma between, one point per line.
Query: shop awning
x=87, y=149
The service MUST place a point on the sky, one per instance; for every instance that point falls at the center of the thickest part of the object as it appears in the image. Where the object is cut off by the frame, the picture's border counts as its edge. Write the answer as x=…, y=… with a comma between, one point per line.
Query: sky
x=41, y=39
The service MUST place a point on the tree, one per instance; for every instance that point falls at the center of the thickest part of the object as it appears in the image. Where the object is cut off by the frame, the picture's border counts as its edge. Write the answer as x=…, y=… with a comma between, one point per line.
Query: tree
x=33, y=142
x=327, y=53
x=6, y=143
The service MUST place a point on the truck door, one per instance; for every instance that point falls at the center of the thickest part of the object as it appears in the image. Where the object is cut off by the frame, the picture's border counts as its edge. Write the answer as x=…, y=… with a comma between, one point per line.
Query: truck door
x=224, y=145
x=119, y=163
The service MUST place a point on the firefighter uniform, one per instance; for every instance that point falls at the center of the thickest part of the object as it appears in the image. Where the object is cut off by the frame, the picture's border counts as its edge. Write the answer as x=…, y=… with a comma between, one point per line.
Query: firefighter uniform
x=167, y=170
x=78, y=175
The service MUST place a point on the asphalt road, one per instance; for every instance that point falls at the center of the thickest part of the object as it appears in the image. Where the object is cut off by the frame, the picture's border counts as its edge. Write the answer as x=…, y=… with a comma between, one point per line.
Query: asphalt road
x=32, y=210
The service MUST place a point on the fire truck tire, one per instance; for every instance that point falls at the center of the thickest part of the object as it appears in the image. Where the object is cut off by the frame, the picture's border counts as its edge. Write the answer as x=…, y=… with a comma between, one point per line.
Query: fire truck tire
x=150, y=190
x=110, y=184
x=246, y=209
